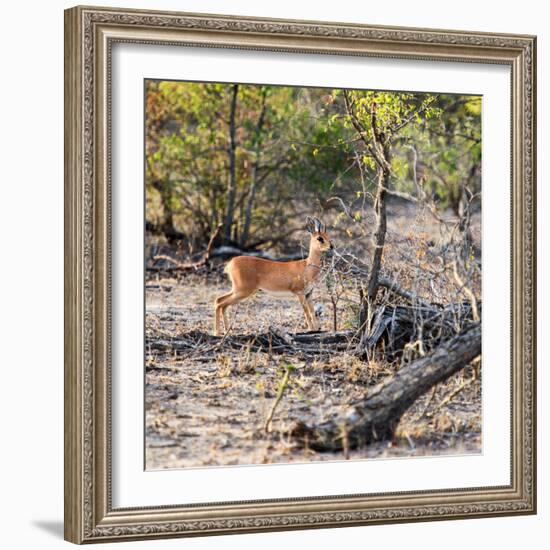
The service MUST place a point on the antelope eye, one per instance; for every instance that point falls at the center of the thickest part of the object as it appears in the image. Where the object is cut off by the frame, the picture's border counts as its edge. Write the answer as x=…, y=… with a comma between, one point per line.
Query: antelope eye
x=320, y=239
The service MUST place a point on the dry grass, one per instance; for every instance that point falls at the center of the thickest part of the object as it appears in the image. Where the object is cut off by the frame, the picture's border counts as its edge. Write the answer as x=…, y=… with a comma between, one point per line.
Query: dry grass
x=205, y=409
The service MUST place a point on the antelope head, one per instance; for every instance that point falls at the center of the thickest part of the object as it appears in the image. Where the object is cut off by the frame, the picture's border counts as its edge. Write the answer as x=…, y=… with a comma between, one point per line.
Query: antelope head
x=319, y=239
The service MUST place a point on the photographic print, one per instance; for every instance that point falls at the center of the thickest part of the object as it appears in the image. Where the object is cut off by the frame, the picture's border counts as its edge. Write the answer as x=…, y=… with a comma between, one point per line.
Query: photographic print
x=313, y=274
x=282, y=241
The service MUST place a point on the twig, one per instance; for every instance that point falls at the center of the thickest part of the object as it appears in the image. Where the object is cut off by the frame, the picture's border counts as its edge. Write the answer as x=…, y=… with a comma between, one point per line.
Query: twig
x=454, y=393
x=415, y=113
x=191, y=265
x=211, y=242
x=282, y=386
x=468, y=292
x=345, y=208
x=396, y=288
x=427, y=405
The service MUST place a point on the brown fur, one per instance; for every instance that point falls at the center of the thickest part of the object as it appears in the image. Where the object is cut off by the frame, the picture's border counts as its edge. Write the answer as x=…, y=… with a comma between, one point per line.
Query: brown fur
x=249, y=274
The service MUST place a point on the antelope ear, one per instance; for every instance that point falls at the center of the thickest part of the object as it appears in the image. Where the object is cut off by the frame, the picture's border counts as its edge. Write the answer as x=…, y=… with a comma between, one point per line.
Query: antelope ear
x=319, y=227
x=310, y=226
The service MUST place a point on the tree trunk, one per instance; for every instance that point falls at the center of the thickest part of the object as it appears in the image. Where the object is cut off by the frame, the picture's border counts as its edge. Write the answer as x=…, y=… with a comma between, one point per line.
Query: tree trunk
x=254, y=176
x=376, y=417
x=166, y=225
x=379, y=233
x=379, y=239
x=232, y=183
x=251, y=199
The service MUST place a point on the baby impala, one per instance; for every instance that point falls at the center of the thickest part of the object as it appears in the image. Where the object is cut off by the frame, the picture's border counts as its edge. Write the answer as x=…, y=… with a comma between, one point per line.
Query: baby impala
x=296, y=278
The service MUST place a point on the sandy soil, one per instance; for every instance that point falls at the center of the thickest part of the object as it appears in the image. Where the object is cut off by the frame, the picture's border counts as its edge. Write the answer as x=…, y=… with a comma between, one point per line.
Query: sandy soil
x=205, y=409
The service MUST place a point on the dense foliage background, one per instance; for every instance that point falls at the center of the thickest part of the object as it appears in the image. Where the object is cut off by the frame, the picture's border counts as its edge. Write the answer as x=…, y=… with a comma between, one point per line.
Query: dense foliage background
x=255, y=158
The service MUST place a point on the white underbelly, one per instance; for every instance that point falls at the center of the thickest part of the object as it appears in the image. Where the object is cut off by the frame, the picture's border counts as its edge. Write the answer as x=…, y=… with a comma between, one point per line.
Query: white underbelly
x=279, y=293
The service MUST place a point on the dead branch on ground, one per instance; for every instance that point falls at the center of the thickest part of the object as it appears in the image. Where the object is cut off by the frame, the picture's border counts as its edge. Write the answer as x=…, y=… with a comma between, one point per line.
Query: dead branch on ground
x=203, y=259
x=273, y=341
x=281, y=390
x=376, y=417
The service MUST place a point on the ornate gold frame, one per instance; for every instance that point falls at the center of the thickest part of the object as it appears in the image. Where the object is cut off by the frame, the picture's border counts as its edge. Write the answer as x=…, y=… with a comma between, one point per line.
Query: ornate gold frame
x=89, y=35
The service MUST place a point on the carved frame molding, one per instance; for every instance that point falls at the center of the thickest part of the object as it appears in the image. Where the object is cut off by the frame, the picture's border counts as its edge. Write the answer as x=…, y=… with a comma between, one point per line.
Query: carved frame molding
x=89, y=35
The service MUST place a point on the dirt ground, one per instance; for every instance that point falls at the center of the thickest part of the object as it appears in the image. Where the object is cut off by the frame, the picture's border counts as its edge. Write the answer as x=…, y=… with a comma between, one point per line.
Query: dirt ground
x=205, y=409
x=208, y=406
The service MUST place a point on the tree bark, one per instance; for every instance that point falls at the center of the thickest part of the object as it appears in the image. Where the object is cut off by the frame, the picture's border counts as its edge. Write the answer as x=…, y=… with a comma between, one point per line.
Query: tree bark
x=380, y=149
x=379, y=236
x=376, y=417
x=254, y=176
x=232, y=183
x=166, y=224
x=379, y=239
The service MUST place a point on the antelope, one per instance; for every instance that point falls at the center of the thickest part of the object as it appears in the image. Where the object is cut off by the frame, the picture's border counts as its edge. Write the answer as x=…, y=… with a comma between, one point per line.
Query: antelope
x=249, y=274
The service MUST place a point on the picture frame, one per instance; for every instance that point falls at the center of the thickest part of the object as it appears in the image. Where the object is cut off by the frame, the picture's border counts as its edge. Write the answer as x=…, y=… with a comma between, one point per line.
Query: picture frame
x=90, y=34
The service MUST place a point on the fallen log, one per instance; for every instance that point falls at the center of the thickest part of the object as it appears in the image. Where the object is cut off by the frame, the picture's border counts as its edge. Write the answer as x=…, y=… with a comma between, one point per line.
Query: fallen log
x=376, y=417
